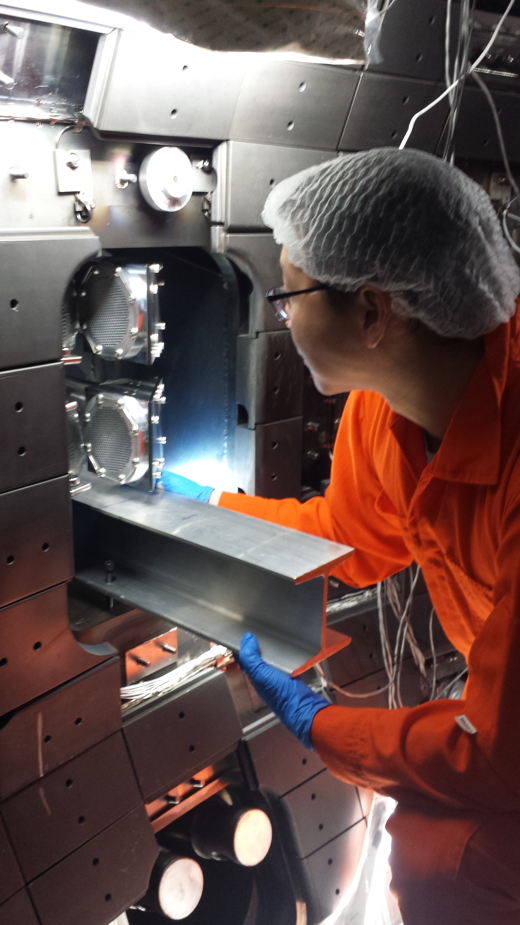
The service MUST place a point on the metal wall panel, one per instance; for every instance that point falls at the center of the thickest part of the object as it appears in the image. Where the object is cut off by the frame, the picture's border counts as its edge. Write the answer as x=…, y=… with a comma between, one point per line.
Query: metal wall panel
x=476, y=134
x=54, y=816
x=54, y=729
x=268, y=459
x=382, y=110
x=10, y=875
x=101, y=879
x=246, y=175
x=37, y=649
x=35, y=268
x=159, y=86
x=258, y=256
x=321, y=809
x=331, y=871
x=411, y=41
x=287, y=103
x=269, y=377
x=18, y=910
x=32, y=426
x=35, y=539
x=294, y=763
x=202, y=726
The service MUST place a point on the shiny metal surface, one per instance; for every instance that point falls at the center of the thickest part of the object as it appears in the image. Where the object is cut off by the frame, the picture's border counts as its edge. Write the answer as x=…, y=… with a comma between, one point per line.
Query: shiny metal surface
x=246, y=175
x=269, y=377
x=411, y=42
x=32, y=426
x=268, y=458
x=258, y=257
x=382, y=110
x=166, y=179
x=476, y=134
x=188, y=92
x=289, y=103
x=331, y=871
x=215, y=572
x=116, y=436
x=35, y=268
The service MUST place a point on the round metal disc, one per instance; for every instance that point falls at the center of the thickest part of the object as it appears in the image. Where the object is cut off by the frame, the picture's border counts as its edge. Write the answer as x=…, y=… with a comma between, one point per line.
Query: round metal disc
x=180, y=888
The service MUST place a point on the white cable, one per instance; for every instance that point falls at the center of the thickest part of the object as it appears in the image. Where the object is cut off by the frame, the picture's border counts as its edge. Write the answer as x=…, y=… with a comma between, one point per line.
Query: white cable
x=328, y=683
x=434, y=654
x=487, y=94
x=470, y=70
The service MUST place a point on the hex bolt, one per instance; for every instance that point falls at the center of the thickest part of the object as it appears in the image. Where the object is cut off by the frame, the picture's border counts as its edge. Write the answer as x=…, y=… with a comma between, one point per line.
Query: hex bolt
x=73, y=160
x=110, y=571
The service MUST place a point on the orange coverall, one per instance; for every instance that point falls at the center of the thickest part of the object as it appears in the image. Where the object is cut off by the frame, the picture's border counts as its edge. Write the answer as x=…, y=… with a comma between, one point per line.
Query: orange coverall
x=458, y=517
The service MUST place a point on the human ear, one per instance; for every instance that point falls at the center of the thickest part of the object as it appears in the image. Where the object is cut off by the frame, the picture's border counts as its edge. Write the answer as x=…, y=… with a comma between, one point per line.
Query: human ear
x=376, y=310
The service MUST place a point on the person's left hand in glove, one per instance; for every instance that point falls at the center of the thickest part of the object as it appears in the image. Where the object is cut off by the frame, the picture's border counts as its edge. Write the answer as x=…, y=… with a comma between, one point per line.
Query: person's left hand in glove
x=170, y=481
x=294, y=703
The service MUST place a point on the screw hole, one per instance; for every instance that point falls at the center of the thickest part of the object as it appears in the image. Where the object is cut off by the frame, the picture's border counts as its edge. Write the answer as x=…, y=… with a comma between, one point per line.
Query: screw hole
x=406, y=99
x=185, y=67
x=371, y=655
x=108, y=897
x=393, y=134
x=78, y=721
x=273, y=476
x=277, y=355
x=304, y=761
x=290, y=126
x=320, y=826
x=69, y=782
x=274, y=444
x=191, y=748
x=431, y=20
x=174, y=114
x=36, y=646
x=10, y=560
x=302, y=87
x=21, y=451
x=45, y=547
x=337, y=892
x=485, y=142
x=276, y=389
x=330, y=861
x=47, y=738
x=3, y=662
x=14, y=303
x=313, y=796
x=95, y=862
x=419, y=56
x=181, y=715
x=272, y=181
x=18, y=406
x=81, y=820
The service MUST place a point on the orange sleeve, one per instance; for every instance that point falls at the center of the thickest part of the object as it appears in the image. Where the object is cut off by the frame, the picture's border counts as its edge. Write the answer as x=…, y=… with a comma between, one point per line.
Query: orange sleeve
x=348, y=512
x=422, y=751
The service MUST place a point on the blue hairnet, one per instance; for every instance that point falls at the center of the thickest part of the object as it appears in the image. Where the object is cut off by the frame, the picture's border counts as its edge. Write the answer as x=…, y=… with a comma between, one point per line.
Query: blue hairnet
x=408, y=222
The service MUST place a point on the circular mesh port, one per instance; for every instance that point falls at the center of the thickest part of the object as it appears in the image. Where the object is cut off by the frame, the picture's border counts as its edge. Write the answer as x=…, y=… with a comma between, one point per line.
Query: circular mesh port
x=107, y=310
x=109, y=434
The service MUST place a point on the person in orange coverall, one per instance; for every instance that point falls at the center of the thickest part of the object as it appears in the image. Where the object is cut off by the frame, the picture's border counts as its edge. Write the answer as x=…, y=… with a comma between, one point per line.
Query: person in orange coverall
x=405, y=297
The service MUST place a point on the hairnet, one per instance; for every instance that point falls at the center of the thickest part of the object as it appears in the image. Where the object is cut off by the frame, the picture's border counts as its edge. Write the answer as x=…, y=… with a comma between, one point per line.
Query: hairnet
x=408, y=222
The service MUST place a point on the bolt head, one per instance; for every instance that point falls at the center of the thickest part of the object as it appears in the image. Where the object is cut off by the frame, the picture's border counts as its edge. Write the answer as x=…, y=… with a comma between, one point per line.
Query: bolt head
x=100, y=398
x=119, y=352
x=134, y=331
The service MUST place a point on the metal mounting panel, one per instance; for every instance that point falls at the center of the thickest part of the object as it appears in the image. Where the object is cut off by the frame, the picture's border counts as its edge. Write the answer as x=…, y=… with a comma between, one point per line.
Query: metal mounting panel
x=331, y=871
x=35, y=268
x=322, y=808
x=411, y=42
x=476, y=134
x=269, y=377
x=187, y=92
x=288, y=103
x=11, y=879
x=18, y=910
x=382, y=110
x=258, y=256
x=212, y=571
x=246, y=175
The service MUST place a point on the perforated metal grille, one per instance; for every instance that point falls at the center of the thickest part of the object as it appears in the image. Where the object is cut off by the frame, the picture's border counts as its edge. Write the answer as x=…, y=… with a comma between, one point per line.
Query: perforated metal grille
x=109, y=434
x=107, y=310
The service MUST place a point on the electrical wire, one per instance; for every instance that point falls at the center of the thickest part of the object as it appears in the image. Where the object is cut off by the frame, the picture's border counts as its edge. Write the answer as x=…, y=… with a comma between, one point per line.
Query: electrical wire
x=434, y=655
x=455, y=83
x=328, y=683
x=487, y=94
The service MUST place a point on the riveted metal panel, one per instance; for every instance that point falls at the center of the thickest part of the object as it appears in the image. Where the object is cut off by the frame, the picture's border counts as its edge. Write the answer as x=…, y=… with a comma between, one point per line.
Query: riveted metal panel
x=382, y=110
x=287, y=103
x=35, y=539
x=54, y=729
x=69, y=806
x=294, y=763
x=246, y=175
x=35, y=268
x=331, y=871
x=18, y=910
x=202, y=726
x=10, y=875
x=187, y=92
x=411, y=41
x=32, y=426
x=320, y=810
x=476, y=134
x=269, y=377
x=258, y=256
x=100, y=880
x=37, y=649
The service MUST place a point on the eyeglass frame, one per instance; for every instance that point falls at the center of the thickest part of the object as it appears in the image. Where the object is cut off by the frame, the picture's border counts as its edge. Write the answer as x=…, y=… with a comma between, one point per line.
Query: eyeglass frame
x=278, y=294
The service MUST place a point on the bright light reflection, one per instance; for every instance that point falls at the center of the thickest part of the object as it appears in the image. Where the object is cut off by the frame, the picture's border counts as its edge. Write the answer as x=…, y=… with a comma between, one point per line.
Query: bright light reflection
x=209, y=472
x=381, y=908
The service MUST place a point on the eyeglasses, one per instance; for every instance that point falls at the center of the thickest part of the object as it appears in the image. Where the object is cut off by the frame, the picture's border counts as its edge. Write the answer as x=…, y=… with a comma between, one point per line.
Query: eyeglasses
x=280, y=300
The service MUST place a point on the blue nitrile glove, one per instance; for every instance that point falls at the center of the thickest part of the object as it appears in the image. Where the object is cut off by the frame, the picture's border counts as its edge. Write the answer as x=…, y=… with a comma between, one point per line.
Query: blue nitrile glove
x=294, y=703
x=182, y=486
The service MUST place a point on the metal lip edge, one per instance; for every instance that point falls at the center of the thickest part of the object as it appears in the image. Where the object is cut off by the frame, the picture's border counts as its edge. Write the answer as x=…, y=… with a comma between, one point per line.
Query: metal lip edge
x=322, y=555
x=29, y=235
x=136, y=711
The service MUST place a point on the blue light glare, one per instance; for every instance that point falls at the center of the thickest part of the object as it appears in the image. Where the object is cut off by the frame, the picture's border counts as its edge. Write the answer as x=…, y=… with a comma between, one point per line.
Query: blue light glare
x=209, y=472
